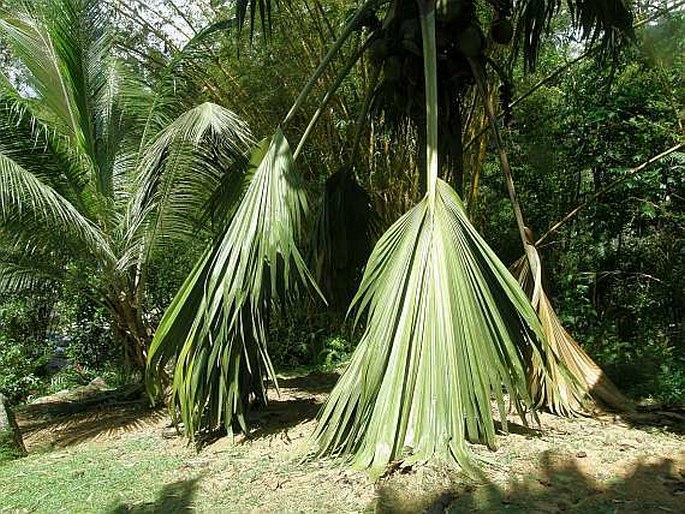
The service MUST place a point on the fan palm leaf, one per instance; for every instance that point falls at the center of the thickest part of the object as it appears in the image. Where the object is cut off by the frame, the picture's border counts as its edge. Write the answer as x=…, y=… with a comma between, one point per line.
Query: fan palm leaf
x=215, y=329
x=447, y=328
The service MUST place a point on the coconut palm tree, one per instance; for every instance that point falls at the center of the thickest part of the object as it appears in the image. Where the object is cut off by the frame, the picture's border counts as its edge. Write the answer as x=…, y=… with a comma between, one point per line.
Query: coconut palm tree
x=98, y=173
x=446, y=325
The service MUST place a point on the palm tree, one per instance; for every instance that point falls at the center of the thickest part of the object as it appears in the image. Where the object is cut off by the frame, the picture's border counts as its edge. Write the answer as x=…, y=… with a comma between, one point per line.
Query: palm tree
x=446, y=325
x=99, y=173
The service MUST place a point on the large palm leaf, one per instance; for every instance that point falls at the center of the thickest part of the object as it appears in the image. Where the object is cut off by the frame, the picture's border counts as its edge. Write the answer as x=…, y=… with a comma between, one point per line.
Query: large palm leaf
x=447, y=325
x=447, y=328
x=215, y=329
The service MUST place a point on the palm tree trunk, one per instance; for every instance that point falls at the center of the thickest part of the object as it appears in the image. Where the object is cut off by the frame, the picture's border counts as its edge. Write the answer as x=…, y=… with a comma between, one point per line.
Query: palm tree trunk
x=131, y=331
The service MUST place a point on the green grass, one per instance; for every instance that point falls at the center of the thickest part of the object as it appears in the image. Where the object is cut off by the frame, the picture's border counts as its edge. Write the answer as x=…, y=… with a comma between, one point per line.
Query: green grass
x=147, y=473
x=87, y=478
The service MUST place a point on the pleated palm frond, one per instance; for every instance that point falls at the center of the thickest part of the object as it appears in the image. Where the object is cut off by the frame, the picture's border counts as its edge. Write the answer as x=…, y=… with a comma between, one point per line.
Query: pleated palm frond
x=447, y=329
x=570, y=377
x=215, y=329
x=345, y=231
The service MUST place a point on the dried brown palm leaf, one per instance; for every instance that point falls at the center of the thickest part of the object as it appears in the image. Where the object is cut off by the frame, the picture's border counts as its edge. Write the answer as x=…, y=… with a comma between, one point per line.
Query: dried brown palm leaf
x=565, y=391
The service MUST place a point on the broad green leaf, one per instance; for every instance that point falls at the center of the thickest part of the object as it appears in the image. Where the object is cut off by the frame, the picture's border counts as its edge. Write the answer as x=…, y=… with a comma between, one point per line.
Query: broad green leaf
x=447, y=329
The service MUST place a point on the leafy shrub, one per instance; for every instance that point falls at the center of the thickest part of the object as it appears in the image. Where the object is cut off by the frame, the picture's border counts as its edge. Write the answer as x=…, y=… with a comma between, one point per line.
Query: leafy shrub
x=337, y=350
x=19, y=375
x=309, y=337
x=90, y=340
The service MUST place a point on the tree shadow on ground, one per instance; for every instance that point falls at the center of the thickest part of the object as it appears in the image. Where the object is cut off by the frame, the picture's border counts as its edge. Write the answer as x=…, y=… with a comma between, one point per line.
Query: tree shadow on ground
x=282, y=415
x=665, y=418
x=176, y=498
x=66, y=422
x=300, y=400
x=558, y=485
x=316, y=382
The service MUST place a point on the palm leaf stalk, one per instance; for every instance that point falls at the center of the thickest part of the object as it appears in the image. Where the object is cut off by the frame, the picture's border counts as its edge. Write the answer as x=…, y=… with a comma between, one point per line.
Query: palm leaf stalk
x=447, y=329
x=566, y=380
x=345, y=224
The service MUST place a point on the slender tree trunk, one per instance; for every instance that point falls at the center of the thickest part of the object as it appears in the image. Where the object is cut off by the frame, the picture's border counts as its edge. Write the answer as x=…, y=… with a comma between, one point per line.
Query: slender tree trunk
x=11, y=442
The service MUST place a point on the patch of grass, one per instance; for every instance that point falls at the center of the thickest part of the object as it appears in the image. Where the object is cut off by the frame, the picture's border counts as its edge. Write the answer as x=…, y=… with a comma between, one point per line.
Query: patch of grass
x=87, y=478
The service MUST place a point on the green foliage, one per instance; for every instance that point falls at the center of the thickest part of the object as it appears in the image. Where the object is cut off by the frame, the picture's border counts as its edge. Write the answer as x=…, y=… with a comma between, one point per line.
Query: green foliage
x=23, y=351
x=336, y=351
x=309, y=337
x=19, y=371
x=215, y=329
x=90, y=340
x=616, y=271
x=98, y=172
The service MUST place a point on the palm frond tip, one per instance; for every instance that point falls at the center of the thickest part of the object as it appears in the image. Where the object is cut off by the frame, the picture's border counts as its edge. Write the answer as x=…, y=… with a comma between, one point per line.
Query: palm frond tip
x=570, y=378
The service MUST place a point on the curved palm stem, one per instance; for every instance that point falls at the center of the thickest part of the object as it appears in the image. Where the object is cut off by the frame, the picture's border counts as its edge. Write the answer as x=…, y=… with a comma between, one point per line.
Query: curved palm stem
x=328, y=58
x=342, y=75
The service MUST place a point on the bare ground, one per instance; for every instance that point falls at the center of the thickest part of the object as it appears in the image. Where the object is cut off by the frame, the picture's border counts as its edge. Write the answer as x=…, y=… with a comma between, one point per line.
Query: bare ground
x=137, y=464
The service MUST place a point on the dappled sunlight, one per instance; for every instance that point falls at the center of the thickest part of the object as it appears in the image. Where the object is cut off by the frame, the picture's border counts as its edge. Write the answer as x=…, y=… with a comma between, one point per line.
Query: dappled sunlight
x=558, y=483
